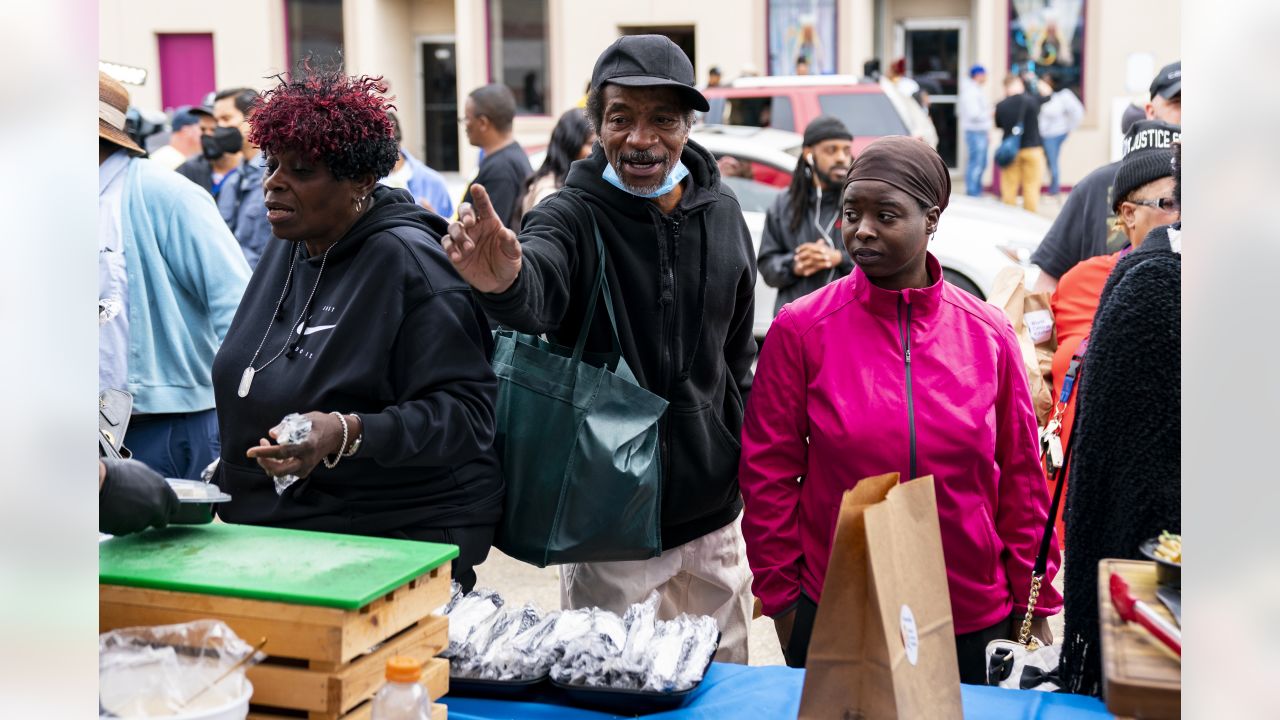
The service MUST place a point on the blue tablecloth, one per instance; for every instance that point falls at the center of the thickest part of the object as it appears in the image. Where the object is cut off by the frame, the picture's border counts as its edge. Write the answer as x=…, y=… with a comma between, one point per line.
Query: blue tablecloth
x=735, y=691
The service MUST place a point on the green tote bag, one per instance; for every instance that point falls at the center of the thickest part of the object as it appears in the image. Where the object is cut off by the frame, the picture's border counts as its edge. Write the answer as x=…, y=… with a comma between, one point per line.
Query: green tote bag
x=579, y=448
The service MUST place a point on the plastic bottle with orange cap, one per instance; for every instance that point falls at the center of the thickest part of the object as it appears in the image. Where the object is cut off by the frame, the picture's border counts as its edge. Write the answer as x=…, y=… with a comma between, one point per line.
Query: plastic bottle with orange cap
x=403, y=697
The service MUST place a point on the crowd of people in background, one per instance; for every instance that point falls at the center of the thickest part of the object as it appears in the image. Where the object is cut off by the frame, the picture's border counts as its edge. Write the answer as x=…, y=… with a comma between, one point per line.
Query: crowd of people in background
x=256, y=266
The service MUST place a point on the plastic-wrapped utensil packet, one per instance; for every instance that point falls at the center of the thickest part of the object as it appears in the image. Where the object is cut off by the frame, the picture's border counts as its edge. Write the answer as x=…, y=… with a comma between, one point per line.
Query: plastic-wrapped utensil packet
x=586, y=647
x=293, y=429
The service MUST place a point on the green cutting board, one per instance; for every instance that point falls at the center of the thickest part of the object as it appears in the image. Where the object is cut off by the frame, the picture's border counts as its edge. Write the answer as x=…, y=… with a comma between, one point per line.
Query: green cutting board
x=262, y=563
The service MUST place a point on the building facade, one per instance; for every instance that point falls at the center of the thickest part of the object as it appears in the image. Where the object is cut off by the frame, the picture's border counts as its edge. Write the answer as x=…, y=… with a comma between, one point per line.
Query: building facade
x=433, y=52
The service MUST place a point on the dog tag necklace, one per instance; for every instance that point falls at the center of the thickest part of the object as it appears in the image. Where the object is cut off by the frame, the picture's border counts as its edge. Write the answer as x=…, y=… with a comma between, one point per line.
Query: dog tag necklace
x=246, y=379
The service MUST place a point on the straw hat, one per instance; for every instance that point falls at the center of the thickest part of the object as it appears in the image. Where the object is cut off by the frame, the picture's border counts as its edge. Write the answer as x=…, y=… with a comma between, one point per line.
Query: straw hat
x=113, y=103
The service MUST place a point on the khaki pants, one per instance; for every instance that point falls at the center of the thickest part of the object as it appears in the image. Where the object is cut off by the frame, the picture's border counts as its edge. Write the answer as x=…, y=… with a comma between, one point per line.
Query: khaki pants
x=1025, y=172
x=707, y=576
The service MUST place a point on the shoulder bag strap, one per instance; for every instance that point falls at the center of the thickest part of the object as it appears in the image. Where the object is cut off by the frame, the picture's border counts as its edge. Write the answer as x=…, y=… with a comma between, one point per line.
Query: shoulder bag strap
x=600, y=285
x=1059, y=478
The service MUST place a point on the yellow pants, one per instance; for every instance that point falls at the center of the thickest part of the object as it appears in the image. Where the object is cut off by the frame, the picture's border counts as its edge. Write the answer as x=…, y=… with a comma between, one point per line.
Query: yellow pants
x=1026, y=172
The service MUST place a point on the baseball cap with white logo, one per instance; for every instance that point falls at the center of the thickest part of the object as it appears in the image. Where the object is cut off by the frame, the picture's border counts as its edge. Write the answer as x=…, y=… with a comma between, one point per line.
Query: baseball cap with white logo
x=1168, y=82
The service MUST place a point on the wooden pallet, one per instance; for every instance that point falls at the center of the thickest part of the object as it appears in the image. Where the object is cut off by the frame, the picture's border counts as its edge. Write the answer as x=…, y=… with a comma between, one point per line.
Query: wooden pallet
x=323, y=663
x=364, y=712
x=298, y=685
x=326, y=637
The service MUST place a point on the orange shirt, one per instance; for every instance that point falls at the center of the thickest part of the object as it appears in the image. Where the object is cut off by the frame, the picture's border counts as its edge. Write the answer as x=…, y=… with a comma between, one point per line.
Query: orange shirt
x=1074, y=304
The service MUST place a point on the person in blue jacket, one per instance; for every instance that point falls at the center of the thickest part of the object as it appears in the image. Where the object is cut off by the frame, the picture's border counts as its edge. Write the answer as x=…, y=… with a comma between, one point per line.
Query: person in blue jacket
x=426, y=185
x=170, y=277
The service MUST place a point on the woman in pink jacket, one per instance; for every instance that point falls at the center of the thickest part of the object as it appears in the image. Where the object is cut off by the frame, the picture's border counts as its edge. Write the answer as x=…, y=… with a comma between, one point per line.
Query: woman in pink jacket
x=893, y=370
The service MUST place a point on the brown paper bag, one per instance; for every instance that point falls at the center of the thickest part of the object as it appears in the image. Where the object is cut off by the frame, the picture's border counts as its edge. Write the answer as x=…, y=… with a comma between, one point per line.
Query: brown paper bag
x=1031, y=314
x=883, y=643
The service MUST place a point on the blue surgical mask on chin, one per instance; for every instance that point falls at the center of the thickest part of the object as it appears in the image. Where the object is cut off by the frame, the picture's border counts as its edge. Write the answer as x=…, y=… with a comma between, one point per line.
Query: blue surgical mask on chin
x=678, y=173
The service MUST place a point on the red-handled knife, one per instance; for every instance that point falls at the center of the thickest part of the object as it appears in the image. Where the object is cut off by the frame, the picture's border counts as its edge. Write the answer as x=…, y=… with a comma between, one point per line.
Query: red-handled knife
x=1132, y=609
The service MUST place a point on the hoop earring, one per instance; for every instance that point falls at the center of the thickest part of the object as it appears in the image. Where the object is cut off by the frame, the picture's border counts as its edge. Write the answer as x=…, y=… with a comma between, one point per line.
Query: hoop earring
x=359, y=202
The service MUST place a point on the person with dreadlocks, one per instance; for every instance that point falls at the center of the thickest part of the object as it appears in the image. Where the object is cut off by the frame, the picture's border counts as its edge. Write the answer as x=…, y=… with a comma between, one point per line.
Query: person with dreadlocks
x=892, y=369
x=799, y=252
x=355, y=318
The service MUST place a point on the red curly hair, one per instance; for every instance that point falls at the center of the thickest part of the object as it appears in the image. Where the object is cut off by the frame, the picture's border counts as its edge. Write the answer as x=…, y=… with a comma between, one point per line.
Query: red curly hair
x=330, y=117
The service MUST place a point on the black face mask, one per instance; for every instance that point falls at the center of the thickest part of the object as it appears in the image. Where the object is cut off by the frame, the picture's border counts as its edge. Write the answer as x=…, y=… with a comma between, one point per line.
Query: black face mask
x=223, y=140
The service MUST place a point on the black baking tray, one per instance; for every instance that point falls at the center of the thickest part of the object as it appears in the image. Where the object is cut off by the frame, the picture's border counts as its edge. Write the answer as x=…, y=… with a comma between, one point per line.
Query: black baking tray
x=622, y=702
x=498, y=689
x=1168, y=574
x=629, y=702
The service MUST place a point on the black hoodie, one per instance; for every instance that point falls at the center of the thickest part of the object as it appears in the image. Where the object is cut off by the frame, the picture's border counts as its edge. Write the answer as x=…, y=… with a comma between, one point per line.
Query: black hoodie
x=393, y=335
x=683, y=287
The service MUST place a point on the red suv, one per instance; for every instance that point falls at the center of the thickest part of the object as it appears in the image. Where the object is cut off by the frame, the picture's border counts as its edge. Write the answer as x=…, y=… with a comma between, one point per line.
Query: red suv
x=790, y=103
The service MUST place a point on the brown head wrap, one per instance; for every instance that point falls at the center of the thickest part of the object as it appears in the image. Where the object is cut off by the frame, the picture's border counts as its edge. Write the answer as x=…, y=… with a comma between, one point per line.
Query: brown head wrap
x=908, y=164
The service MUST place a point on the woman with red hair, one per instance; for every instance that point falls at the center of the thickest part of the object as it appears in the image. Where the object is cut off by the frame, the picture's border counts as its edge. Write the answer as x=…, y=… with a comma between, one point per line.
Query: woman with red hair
x=357, y=320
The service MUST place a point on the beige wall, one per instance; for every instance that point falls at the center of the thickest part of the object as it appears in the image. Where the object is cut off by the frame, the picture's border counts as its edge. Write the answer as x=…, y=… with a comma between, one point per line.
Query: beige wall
x=382, y=38
x=856, y=34
x=248, y=39
x=377, y=40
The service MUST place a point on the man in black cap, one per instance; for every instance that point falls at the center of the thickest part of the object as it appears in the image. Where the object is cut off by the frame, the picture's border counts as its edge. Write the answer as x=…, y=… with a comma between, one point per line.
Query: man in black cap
x=1086, y=226
x=801, y=250
x=681, y=271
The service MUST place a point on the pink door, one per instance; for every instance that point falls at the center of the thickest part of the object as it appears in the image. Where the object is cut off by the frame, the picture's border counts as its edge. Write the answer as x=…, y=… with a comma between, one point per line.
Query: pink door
x=186, y=68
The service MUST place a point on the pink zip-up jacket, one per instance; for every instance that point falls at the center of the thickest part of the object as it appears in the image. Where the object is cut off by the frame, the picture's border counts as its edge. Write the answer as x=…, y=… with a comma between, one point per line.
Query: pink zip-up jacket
x=856, y=381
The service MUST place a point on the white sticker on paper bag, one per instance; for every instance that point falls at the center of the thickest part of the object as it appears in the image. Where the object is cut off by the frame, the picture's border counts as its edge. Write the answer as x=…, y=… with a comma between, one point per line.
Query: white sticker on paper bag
x=1039, y=324
x=910, y=637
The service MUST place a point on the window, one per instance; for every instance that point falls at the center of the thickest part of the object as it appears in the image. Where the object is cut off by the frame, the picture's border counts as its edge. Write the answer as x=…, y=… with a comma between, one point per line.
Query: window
x=518, y=51
x=313, y=30
x=802, y=29
x=770, y=111
x=865, y=114
x=1047, y=36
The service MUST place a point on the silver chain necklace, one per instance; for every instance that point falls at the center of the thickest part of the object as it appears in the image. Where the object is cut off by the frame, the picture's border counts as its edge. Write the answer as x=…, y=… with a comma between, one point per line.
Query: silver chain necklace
x=246, y=380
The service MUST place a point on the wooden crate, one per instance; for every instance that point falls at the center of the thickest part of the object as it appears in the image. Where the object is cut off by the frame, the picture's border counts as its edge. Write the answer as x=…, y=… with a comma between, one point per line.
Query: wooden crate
x=298, y=685
x=364, y=712
x=1141, y=677
x=326, y=637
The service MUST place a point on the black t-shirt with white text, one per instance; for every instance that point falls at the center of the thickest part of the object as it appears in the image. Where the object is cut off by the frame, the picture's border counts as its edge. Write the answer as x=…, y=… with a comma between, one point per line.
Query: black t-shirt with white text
x=1083, y=229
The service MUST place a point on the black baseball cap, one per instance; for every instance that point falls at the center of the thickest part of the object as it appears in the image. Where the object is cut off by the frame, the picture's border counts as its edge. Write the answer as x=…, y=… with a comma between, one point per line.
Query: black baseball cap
x=1168, y=82
x=648, y=61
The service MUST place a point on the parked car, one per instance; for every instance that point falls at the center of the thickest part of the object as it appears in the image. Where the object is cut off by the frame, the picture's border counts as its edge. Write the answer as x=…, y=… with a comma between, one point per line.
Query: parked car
x=976, y=238
x=870, y=109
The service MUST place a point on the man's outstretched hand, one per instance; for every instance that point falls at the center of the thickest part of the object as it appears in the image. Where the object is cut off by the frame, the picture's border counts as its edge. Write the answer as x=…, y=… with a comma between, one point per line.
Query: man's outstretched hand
x=483, y=251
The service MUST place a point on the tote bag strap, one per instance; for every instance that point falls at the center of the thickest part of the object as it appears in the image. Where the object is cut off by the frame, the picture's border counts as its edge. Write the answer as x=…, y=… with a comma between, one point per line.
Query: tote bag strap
x=599, y=286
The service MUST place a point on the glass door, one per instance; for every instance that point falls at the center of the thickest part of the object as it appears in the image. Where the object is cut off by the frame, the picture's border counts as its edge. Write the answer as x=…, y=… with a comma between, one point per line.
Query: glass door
x=934, y=50
x=440, y=105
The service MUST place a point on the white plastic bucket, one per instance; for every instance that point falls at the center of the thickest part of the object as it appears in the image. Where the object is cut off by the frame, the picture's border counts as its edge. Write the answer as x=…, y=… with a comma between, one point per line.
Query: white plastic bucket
x=236, y=709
